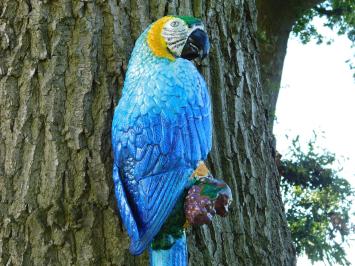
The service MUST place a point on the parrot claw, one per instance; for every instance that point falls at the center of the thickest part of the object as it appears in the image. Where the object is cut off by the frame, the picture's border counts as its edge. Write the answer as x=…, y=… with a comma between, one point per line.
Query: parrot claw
x=206, y=198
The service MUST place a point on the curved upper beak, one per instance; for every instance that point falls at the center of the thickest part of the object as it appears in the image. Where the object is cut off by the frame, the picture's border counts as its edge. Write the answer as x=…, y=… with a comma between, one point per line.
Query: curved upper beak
x=197, y=45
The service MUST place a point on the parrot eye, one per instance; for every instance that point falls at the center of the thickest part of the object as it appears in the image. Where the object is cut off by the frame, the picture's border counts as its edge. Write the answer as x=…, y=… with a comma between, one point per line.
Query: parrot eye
x=174, y=24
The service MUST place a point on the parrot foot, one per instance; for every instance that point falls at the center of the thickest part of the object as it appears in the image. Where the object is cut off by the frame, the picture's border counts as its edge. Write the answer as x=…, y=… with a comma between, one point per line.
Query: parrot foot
x=206, y=198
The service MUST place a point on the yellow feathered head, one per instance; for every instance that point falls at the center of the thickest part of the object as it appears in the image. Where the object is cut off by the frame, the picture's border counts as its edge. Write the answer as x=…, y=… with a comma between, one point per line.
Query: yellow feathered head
x=178, y=36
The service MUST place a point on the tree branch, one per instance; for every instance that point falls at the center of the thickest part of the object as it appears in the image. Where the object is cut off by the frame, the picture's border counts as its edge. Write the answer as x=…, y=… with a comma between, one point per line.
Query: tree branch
x=334, y=12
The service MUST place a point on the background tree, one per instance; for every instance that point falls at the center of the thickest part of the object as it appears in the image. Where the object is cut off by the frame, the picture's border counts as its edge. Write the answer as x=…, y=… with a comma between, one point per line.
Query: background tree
x=277, y=19
x=318, y=202
x=62, y=65
x=312, y=232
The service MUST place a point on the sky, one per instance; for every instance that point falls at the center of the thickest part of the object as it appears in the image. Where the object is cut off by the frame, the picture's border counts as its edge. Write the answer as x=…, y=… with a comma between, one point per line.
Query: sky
x=318, y=93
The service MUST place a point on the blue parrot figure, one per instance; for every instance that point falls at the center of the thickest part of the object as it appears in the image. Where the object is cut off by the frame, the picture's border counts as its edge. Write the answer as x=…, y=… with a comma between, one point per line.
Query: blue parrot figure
x=161, y=131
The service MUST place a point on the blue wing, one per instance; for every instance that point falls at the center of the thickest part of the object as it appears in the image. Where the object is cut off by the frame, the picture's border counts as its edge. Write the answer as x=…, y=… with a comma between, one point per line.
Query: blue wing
x=161, y=130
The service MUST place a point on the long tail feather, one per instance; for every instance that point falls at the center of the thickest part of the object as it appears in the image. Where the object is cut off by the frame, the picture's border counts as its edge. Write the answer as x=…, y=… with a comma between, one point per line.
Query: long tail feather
x=175, y=256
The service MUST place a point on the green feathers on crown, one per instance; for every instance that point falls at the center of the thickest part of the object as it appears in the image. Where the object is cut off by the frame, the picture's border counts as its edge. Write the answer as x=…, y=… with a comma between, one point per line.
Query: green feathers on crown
x=189, y=20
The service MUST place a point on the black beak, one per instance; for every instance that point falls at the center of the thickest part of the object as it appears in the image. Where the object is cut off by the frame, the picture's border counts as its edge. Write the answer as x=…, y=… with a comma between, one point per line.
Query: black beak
x=197, y=45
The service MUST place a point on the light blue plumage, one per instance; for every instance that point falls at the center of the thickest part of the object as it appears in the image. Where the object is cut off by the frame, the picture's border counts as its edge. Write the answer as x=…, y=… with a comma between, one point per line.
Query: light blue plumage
x=161, y=130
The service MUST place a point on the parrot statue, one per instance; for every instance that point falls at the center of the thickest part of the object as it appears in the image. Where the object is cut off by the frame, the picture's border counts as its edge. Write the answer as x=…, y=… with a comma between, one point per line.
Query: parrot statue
x=161, y=133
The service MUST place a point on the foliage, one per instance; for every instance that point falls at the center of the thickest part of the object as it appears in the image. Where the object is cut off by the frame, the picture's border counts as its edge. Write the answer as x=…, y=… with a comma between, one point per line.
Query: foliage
x=317, y=201
x=340, y=15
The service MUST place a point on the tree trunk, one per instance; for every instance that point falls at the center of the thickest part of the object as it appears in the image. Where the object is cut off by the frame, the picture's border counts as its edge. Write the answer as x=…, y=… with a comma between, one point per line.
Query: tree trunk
x=62, y=65
x=275, y=21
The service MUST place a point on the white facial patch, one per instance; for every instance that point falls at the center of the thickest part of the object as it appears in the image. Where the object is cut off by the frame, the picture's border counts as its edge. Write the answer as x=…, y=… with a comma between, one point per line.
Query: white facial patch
x=175, y=32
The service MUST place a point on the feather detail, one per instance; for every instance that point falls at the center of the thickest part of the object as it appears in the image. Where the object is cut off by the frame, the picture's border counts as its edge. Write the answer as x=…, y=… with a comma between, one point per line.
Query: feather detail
x=175, y=256
x=156, y=41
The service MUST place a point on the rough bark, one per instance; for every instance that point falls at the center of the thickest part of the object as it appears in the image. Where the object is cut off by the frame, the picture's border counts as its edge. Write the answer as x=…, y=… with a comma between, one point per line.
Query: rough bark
x=275, y=21
x=62, y=65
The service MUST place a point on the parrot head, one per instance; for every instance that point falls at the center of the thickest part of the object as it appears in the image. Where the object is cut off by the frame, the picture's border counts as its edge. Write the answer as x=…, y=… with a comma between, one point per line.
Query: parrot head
x=178, y=36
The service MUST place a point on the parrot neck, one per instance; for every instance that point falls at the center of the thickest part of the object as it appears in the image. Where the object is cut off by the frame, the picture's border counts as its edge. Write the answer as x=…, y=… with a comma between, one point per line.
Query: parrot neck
x=143, y=60
x=156, y=41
